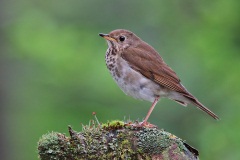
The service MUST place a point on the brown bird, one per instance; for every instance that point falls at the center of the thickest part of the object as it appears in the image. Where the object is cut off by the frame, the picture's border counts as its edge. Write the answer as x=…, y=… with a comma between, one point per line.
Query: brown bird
x=141, y=73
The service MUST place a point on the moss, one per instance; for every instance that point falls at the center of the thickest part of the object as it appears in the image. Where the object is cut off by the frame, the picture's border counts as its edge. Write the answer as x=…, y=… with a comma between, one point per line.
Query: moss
x=113, y=125
x=107, y=142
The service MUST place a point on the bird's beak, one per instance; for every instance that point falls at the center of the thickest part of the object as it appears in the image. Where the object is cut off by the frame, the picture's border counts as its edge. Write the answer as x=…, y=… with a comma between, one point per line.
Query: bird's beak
x=107, y=37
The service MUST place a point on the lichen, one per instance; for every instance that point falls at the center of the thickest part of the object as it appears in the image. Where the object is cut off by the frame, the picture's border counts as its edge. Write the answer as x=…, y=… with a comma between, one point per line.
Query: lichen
x=160, y=143
x=50, y=146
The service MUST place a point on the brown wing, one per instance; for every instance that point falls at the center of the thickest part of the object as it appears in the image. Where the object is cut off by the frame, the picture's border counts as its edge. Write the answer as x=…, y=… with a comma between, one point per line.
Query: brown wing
x=148, y=62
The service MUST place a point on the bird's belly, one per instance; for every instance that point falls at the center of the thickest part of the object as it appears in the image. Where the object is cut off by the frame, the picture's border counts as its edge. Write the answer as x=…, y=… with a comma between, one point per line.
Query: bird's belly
x=135, y=84
x=138, y=89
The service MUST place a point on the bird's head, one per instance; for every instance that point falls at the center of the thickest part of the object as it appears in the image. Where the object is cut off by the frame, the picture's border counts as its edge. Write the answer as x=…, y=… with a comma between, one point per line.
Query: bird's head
x=121, y=39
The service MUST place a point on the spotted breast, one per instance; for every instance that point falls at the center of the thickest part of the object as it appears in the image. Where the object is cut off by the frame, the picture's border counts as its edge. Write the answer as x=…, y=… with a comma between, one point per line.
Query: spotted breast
x=130, y=81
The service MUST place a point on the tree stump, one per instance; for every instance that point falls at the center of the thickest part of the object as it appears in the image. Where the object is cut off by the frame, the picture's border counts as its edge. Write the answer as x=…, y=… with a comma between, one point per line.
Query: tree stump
x=115, y=140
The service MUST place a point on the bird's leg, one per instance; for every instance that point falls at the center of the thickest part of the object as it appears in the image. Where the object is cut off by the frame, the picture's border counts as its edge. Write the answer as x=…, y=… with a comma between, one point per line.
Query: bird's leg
x=144, y=123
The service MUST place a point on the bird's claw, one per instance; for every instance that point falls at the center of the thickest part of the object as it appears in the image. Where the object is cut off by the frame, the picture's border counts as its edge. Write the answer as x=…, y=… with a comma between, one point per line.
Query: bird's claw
x=141, y=124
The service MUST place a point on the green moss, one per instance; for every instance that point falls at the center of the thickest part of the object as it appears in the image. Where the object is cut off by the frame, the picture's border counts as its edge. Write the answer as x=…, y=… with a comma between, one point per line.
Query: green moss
x=114, y=124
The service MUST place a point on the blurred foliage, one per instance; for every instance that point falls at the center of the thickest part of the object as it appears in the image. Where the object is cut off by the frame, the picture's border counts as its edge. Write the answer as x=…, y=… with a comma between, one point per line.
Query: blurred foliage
x=54, y=73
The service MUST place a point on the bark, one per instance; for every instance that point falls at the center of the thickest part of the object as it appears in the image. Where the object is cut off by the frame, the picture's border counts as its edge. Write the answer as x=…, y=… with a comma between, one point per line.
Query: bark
x=115, y=140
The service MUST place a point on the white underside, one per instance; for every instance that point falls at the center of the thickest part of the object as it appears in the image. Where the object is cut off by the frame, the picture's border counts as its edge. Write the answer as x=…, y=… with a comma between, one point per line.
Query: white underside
x=137, y=85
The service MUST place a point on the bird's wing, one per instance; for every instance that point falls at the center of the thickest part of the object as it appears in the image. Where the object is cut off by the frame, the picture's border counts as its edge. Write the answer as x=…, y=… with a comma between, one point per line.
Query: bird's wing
x=149, y=63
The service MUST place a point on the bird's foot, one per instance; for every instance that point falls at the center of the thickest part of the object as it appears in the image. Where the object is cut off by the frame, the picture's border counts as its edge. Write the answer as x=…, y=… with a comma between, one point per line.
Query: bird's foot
x=147, y=124
x=141, y=124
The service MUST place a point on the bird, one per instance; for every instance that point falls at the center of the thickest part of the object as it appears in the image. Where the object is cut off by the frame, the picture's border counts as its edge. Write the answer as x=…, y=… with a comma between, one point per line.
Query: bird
x=140, y=72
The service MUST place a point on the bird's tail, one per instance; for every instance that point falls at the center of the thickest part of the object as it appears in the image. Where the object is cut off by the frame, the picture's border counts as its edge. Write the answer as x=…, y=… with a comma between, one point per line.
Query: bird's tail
x=194, y=101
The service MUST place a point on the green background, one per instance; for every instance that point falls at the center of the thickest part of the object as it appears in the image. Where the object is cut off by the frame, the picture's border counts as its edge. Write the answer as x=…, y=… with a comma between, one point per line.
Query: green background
x=53, y=72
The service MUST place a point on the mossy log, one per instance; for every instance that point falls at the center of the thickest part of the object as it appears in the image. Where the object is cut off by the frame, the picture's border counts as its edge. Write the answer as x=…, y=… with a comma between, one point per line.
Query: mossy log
x=115, y=140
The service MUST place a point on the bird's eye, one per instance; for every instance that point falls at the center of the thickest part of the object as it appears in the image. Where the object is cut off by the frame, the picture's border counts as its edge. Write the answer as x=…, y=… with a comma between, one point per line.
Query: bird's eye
x=121, y=38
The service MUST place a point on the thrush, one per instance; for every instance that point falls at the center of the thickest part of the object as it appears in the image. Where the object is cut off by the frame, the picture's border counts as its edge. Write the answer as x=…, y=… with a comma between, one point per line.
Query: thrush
x=140, y=72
